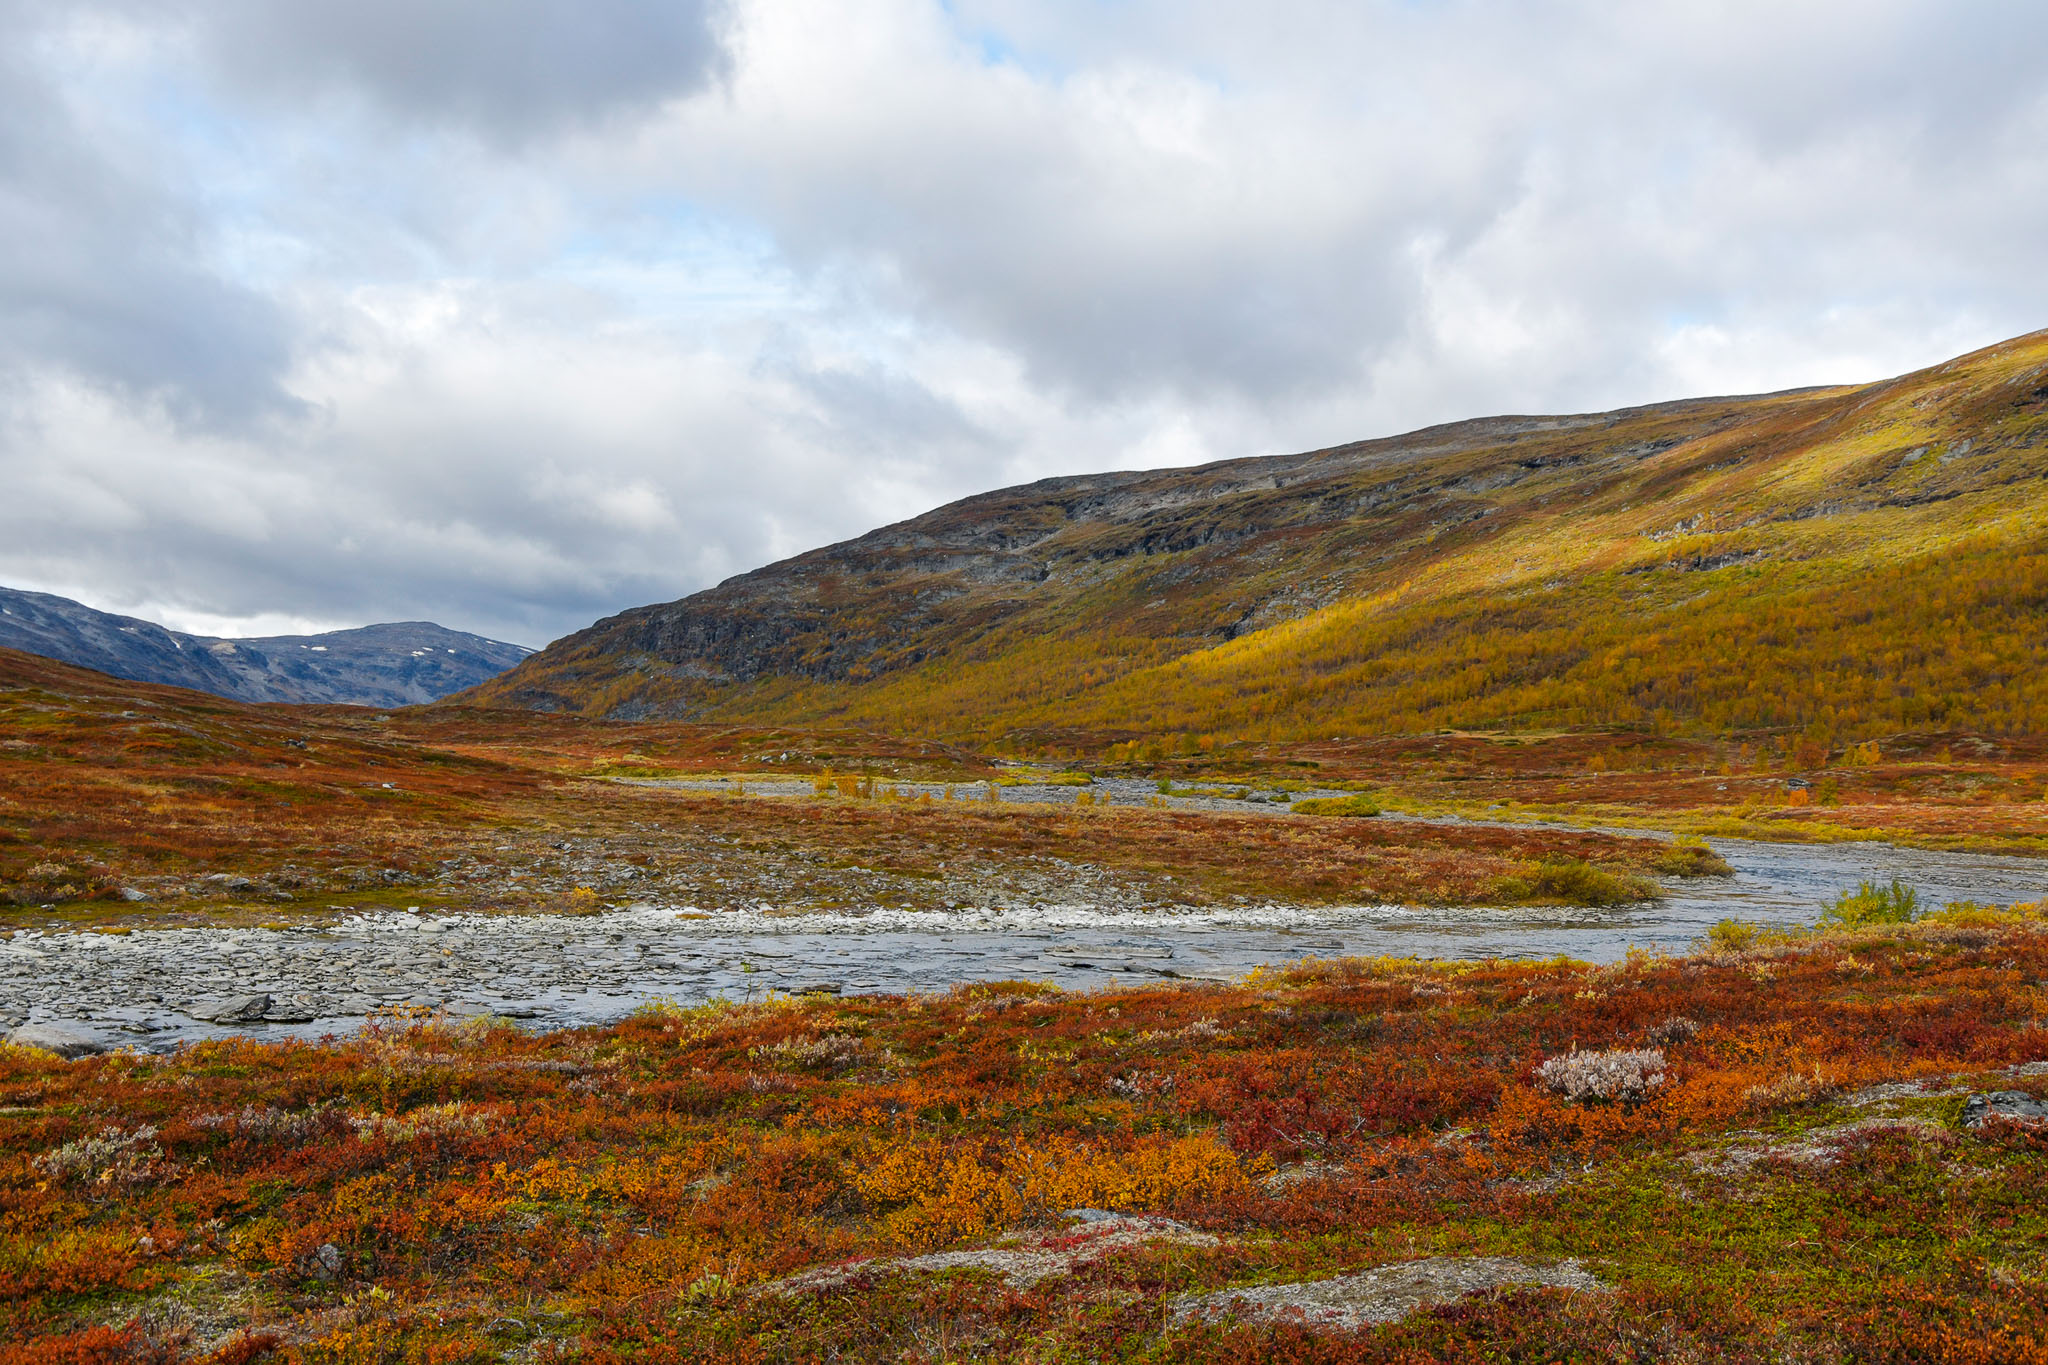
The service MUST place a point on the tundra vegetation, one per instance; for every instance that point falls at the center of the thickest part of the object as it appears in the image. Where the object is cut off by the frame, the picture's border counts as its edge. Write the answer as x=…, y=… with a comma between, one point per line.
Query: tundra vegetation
x=209, y=808
x=1755, y=1154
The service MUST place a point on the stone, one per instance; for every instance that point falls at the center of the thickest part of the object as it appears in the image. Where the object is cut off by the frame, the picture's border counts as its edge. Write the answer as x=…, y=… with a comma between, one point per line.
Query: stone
x=65, y=1041
x=1020, y=1259
x=242, y=1009
x=1385, y=1294
x=324, y=1263
x=2015, y=1106
x=132, y=895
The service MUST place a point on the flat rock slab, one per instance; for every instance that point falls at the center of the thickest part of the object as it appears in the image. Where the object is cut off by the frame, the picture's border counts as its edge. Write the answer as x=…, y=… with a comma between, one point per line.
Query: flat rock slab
x=2015, y=1106
x=1386, y=1294
x=1021, y=1261
x=238, y=1009
x=65, y=1042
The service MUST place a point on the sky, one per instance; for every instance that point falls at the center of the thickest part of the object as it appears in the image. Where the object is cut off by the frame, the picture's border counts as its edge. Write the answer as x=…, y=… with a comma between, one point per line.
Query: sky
x=512, y=314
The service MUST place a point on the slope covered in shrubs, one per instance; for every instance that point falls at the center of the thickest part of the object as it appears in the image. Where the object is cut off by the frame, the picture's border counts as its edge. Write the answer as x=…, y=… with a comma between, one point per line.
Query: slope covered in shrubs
x=1852, y=562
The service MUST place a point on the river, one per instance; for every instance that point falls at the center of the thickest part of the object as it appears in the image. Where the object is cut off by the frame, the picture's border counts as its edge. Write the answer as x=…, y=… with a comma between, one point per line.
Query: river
x=152, y=988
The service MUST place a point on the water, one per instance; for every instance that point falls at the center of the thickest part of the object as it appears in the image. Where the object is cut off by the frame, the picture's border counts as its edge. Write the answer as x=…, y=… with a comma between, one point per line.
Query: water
x=555, y=970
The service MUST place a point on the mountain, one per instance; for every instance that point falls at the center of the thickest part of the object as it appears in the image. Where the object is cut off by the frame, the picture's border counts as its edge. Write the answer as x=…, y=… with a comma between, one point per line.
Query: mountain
x=388, y=665
x=1844, y=562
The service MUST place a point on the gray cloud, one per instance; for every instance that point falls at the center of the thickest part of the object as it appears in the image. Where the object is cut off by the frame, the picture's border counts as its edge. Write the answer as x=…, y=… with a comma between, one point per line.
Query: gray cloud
x=1245, y=203
x=506, y=69
x=103, y=272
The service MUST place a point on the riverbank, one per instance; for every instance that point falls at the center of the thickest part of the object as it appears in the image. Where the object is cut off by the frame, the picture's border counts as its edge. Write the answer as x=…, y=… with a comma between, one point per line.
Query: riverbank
x=125, y=806
x=157, y=987
x=1778, y=1153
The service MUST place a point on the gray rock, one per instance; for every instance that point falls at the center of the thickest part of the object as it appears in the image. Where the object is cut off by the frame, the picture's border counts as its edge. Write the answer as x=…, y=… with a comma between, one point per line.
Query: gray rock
x=1092, y=1215
x=325, y=1263
x=1385, y=1294
x=2015, y=1105
x=130, y=894
x=242, y=1009
x=61, y=1039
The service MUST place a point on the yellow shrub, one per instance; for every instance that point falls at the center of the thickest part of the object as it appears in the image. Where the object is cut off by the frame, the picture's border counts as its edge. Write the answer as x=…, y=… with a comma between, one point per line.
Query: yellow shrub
x=1152, y=1175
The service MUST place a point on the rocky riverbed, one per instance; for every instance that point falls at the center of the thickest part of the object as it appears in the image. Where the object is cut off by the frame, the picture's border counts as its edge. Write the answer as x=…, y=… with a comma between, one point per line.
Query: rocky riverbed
x=153, y=988
x=1064, y=922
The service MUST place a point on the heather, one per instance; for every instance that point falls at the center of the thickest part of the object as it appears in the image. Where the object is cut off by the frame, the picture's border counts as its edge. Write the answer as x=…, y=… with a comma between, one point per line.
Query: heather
x=1753, y=1154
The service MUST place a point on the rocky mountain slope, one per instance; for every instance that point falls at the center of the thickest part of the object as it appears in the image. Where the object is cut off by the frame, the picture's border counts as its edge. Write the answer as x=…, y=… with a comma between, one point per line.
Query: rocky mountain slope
x=1850, y=560
x=399, y=664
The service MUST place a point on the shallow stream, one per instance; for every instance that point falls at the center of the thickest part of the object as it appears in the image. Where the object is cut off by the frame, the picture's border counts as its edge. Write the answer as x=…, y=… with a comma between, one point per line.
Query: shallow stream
x=153, y=988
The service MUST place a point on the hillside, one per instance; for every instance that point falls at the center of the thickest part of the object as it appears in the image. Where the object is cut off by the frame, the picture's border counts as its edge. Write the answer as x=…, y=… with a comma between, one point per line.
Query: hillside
x=399, y=664
x=1840, y=563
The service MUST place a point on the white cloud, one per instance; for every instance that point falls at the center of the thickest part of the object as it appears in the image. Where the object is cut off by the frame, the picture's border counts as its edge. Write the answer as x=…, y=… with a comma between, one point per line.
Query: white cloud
x=514, y=318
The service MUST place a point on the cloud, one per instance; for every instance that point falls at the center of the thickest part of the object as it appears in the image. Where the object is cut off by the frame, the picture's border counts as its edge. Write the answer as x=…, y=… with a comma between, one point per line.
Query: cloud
x=103, y=273
x=468, y=458
x=1274, y=206
x=505, y=69
x=513, y=314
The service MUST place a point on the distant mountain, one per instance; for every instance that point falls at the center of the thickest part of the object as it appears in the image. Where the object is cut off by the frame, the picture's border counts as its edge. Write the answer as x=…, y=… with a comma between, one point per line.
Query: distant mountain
x=400, y=664
x=1840, y=562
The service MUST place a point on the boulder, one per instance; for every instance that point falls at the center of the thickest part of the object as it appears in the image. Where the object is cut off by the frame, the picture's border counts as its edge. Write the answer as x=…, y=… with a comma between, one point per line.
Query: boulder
x=61, y=1039
x=242, y=1009
x=2015, y=1105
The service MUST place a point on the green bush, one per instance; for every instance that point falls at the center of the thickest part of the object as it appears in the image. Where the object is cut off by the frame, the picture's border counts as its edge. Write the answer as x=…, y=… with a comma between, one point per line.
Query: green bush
x=1732, y=935
x=1572, y=881
x=1689, y=856
x=1869, y=903
x=1357, y=806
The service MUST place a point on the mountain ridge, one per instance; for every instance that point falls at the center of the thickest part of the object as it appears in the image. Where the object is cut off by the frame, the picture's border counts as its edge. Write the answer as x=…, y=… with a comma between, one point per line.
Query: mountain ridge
x=396, y=663
x=1371, y=573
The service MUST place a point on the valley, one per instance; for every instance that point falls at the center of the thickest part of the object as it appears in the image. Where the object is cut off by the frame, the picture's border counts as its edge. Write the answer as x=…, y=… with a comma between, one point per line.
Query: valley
x=1543, y=888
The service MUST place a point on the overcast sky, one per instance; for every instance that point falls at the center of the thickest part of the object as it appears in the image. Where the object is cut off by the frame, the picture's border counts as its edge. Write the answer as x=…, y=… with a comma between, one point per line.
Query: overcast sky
x=510, y=314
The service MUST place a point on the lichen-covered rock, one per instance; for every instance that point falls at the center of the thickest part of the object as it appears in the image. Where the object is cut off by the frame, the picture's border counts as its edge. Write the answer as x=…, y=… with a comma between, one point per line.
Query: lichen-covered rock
x=1385, y=1294
x=2016, y=1106
x=1021, y=1260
